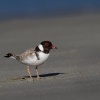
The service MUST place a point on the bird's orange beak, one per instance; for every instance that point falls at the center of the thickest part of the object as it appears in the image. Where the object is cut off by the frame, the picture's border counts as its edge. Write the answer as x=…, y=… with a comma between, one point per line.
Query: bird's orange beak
x=53, y=47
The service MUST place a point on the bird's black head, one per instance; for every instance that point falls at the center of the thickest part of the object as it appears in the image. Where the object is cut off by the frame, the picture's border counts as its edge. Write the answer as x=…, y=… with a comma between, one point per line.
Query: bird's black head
x=45, y=46
x=48, y=45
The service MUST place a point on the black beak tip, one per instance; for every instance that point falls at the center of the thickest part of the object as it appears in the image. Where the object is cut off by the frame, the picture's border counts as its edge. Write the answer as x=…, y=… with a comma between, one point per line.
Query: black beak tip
x=56, y=48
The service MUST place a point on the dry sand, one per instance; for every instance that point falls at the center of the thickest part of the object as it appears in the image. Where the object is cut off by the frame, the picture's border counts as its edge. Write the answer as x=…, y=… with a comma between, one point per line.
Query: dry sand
x=71, y=73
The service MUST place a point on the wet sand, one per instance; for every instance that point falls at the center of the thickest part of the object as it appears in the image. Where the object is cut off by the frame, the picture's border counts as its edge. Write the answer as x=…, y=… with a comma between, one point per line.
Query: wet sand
x=72, y=72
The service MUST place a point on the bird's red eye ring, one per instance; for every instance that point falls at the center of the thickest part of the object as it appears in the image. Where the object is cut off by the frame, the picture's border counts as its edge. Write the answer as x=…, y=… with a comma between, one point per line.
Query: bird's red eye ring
x=46, y=44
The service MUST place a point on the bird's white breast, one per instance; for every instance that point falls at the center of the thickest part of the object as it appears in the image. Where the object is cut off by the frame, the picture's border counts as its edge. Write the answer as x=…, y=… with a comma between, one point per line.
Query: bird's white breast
x=42, y=58
x=32, y=60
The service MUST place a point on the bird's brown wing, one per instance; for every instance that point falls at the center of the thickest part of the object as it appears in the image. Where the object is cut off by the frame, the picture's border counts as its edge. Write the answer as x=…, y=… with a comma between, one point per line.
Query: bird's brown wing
x=29, y=52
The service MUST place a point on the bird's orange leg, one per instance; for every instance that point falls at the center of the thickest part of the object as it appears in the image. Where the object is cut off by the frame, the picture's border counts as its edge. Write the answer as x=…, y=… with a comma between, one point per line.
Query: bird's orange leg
x=38, y=77
x=28, y=70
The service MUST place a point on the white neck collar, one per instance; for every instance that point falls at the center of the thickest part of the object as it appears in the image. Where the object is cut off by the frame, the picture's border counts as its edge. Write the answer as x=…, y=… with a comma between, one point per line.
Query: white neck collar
x=40, y=47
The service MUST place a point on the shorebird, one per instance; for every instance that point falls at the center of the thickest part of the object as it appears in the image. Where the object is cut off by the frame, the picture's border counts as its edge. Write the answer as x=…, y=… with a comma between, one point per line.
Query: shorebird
x=34, y=56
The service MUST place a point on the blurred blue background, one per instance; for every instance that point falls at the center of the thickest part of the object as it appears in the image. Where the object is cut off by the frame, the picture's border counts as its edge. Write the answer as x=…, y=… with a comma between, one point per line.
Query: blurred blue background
x=39, y=8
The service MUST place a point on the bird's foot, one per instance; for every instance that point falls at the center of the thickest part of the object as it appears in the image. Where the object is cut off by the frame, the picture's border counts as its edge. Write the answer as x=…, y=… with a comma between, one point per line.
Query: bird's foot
x=30, y=79
x=38, y=77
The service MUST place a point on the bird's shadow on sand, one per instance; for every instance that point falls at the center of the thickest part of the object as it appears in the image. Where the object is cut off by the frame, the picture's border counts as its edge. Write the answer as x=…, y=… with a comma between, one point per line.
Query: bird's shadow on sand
x=44, y=75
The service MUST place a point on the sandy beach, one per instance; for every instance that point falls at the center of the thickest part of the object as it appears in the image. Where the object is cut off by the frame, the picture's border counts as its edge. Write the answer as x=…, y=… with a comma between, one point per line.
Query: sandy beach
x=72, y=72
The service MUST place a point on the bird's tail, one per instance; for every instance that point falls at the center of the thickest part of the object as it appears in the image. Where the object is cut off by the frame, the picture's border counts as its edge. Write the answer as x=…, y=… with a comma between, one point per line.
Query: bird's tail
x=10, y=55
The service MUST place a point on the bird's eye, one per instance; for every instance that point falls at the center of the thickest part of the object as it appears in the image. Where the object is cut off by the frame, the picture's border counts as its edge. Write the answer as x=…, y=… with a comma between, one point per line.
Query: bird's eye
x=46, y=44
